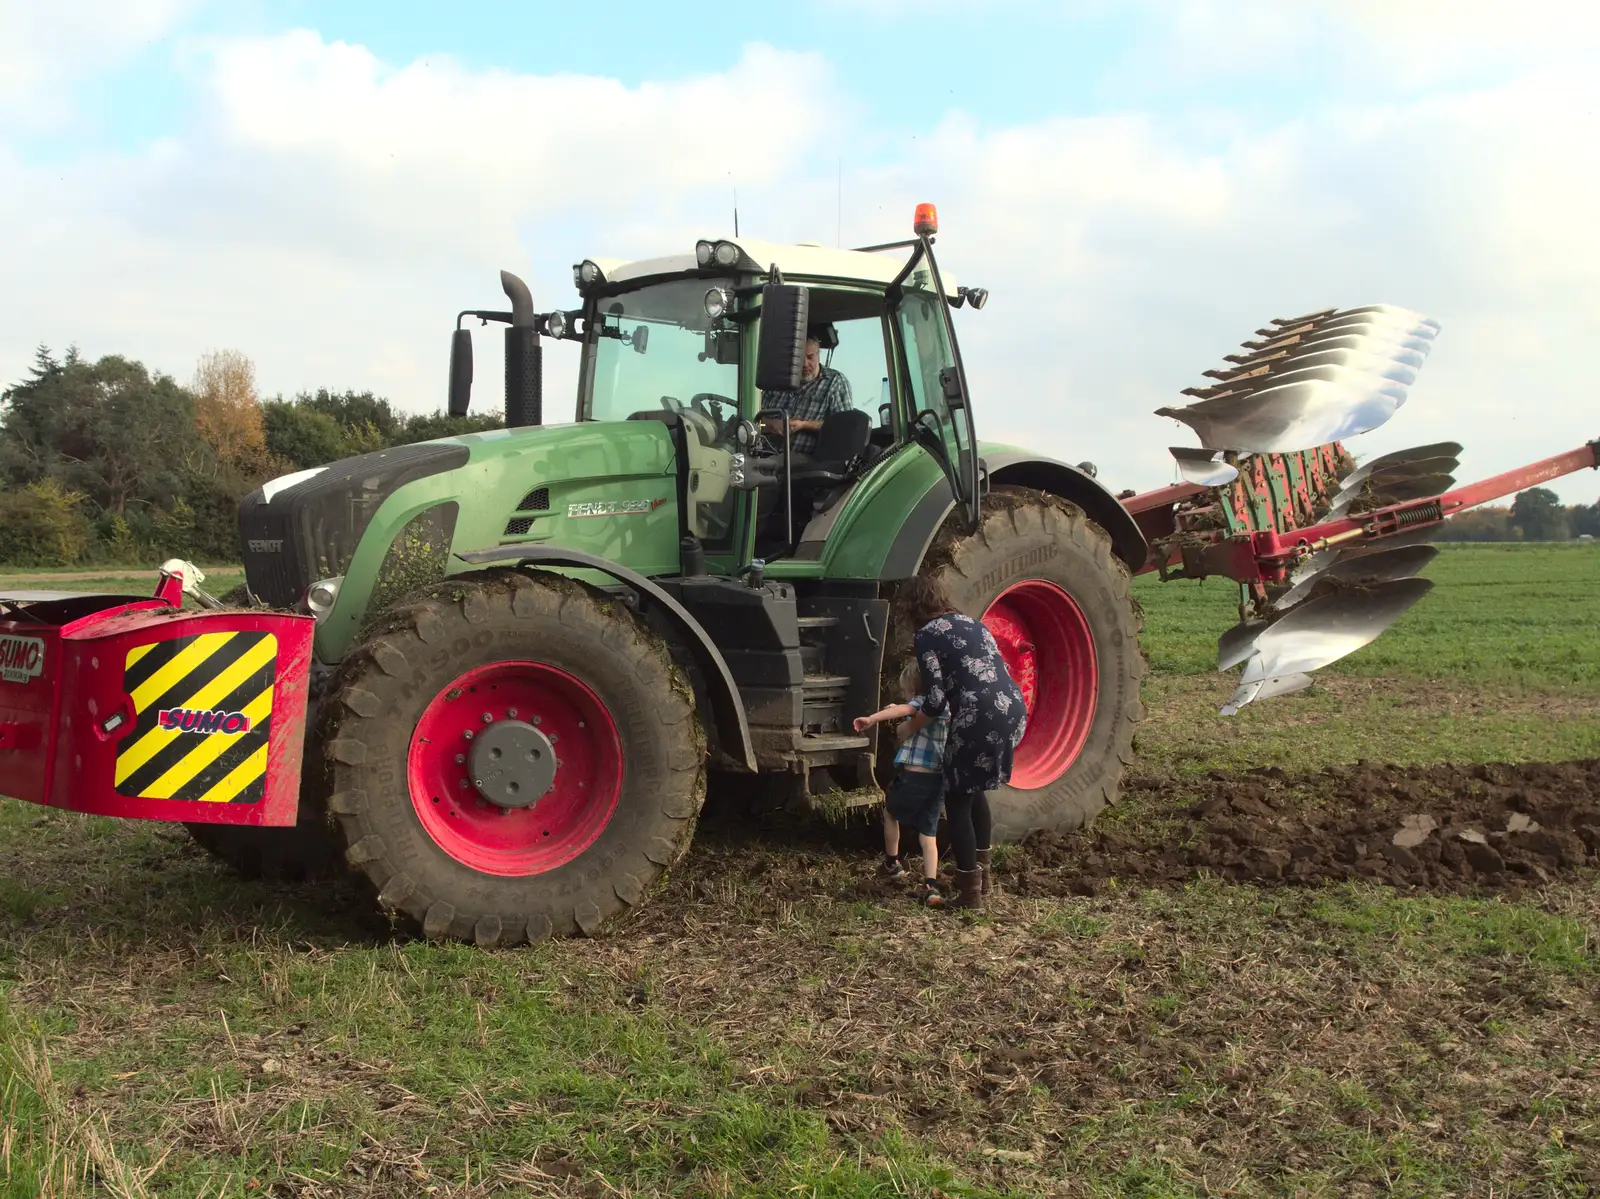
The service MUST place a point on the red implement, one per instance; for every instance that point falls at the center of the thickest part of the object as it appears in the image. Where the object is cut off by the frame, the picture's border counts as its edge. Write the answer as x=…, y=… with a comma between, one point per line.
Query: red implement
x=123, y=706
x=1267, y=556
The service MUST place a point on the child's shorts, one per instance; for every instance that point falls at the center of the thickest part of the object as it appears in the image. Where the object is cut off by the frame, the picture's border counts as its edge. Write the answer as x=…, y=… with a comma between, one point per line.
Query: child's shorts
x=916, y=798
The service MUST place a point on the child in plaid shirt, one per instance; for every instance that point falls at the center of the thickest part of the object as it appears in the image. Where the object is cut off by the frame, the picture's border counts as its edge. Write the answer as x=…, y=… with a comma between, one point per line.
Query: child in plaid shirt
x=917, y=794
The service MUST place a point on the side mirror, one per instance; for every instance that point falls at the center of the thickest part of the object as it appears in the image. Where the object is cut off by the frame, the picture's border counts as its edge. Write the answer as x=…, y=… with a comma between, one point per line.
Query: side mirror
x=950, y=384
x=460, y=372
x=640, y=338
x=781, y=350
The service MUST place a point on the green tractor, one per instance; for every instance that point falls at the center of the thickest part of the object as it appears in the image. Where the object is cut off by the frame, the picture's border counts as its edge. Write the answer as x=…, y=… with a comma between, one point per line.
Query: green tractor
x=532, y=645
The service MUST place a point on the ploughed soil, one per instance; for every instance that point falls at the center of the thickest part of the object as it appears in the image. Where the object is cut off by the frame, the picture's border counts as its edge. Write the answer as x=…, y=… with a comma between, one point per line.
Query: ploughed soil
x=1445, y=828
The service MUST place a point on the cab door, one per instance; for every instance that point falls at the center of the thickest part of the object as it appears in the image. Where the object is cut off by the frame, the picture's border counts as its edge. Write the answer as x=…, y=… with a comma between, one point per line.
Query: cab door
x=939, y=416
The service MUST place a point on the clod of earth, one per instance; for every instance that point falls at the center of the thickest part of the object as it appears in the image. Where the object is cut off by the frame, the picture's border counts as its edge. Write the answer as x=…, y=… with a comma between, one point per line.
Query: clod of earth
x=1406, y=826
x=1414, y=830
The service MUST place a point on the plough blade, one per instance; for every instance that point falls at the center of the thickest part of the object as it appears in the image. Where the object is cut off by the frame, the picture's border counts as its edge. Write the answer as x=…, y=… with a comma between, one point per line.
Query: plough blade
x=1327, y=377
x=1396, y=490
x=1281, y=420
x=1206, y=468
x=1321, y=631
x=1248, y=693
x=1403, y=458
x=1361, y=569
x=1323, y=559
x=1378, y=479
x=1252, y=378
x=1334, y=313
x=1238, y=643
x=1390, y=490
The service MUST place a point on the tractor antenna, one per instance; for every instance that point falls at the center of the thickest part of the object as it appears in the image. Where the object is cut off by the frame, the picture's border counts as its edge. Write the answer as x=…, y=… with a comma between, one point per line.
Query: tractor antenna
x=736, y=212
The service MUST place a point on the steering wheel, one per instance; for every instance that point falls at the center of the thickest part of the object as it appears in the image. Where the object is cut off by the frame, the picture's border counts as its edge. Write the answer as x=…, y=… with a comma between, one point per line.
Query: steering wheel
x=726, y=413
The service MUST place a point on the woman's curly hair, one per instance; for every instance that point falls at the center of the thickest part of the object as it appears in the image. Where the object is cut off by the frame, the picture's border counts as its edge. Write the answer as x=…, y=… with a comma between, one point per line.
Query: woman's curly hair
x=920, y=599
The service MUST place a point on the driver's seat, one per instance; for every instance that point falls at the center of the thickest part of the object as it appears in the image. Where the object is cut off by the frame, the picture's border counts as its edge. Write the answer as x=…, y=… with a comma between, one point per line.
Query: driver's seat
x=840, y=441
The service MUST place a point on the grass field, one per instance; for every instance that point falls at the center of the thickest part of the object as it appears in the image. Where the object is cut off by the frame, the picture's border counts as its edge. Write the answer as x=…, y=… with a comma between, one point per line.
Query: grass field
x=111, y=579
x=775, y=1025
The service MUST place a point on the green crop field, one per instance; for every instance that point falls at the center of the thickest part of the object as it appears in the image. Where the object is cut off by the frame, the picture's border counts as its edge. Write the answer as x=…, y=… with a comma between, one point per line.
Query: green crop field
x=776, y=1024
x=111, y=579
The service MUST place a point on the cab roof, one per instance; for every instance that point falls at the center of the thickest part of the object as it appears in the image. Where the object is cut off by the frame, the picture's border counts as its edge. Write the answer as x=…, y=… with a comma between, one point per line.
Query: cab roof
x=802, y=260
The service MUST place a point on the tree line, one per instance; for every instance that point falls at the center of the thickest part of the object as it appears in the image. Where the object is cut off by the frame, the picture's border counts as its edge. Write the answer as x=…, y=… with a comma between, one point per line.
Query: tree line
x=1534, y=515
x=108, y=462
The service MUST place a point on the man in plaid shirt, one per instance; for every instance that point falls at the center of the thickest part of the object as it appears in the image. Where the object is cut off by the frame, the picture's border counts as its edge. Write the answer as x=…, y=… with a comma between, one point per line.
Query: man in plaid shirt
x=823, y=390
x=917, y=794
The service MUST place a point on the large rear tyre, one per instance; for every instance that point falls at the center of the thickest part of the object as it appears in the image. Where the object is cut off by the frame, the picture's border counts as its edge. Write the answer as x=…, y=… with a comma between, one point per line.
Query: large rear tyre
x=513, y=757
x=1042, y=576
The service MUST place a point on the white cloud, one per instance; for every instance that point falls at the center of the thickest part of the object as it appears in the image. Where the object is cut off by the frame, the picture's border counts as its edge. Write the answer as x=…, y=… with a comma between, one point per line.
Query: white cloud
x=329, y=214
x=47, y=47
x=1123, y=264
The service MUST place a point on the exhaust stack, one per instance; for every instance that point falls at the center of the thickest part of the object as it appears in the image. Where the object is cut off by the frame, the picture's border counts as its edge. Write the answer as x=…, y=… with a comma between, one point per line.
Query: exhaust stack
x=524, y=358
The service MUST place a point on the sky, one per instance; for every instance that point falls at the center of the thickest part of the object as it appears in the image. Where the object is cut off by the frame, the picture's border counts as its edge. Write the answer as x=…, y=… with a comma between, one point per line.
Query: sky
x=1139, y=184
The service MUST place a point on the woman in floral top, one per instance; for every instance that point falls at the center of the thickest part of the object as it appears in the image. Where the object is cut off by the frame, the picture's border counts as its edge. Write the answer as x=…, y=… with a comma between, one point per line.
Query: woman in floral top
x=964, y=675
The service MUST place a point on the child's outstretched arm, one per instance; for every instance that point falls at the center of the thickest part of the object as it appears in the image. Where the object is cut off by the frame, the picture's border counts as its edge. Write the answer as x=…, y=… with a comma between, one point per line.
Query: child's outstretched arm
x=892, y=712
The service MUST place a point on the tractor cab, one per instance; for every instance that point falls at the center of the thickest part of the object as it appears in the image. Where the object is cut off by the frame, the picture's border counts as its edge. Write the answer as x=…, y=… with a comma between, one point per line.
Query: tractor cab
x=786, y=376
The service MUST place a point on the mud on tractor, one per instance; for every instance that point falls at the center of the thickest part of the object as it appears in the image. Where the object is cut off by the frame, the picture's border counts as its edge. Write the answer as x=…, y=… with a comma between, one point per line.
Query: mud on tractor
x=492, y=672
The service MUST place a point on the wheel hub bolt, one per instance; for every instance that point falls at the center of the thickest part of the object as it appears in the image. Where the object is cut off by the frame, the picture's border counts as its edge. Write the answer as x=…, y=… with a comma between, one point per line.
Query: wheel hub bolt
x=511, y=713
x=535, y=720
x=461, y=759
x=488, y=718
x=468, y=734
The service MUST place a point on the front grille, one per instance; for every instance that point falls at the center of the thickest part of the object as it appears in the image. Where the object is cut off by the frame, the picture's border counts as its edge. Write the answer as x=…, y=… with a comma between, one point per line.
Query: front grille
x=517, y=526
x=271, y=566
x=537, y=500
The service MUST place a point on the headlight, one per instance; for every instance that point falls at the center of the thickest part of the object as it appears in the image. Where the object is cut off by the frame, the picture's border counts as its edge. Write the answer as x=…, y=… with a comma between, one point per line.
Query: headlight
x=587, y=273
x=321, y=596
x=702, y=253
x=716, y=303
x=556, y=324
x=726, y=253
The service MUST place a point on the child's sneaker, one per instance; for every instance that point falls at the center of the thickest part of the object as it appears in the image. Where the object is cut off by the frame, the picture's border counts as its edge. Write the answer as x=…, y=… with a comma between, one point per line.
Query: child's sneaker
x=929, y=896
x=892, y=868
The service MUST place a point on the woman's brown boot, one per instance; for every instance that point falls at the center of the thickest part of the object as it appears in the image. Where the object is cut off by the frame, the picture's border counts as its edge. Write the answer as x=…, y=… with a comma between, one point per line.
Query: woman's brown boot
x=983, y=865
x=969, y=890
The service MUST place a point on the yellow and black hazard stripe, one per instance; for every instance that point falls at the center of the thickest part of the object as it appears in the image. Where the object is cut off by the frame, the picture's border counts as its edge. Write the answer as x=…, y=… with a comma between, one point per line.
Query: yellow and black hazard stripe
x=203, y=718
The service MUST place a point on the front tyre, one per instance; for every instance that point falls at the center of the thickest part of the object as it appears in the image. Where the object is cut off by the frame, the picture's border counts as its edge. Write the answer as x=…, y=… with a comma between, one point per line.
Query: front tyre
x=513, y=757
x=1043, y=578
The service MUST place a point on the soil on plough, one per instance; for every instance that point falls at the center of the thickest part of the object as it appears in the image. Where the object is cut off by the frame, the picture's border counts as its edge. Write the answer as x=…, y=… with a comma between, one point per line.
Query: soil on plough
x=1458, y=829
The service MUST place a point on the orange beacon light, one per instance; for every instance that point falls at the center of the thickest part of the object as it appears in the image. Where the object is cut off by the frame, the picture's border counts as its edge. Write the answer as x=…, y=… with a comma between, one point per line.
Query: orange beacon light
x=926, y=221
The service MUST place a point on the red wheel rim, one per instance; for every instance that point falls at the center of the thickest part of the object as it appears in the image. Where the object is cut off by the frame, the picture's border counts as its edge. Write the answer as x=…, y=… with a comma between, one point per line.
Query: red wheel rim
x=1045, y=641
x=566, y=820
